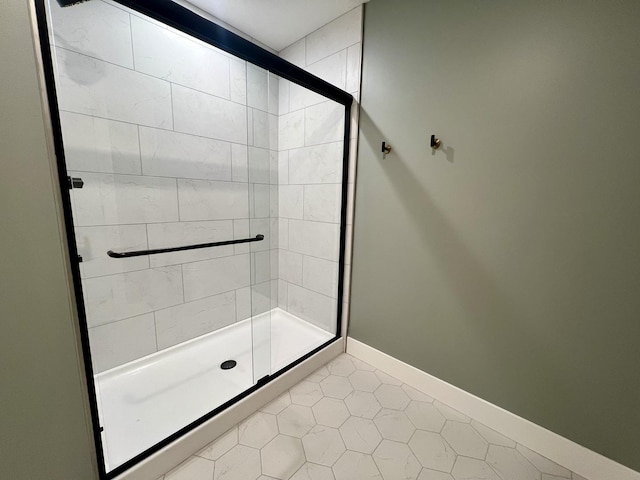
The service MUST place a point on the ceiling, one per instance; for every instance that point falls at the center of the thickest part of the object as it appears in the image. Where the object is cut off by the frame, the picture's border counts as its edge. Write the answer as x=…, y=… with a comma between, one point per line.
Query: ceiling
x=276, y=23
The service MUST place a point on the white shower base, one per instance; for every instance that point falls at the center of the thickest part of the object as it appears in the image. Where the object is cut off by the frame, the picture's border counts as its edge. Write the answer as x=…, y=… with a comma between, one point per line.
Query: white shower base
x=147, y=400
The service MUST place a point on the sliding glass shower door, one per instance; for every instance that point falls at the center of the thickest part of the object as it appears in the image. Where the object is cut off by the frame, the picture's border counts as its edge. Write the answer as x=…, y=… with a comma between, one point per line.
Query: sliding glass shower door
x=206, y=204
x=168, y=156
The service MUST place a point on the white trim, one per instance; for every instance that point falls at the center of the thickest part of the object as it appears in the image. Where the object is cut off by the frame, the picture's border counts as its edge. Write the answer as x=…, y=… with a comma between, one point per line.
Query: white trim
x=173, y=454
x=577, y=458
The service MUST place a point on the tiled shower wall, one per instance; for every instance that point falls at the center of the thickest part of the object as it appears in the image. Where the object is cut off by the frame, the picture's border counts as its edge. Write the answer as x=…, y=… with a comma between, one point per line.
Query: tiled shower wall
x=310, y=171
x=175, y=141
x=179, y=143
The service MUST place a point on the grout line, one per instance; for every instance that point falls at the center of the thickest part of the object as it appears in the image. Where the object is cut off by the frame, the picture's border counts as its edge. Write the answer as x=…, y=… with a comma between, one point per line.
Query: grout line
x=155, y=329
x=334, y=53
x=164, y=129
x=155, y=78
x=133, y=56
x=182, y=279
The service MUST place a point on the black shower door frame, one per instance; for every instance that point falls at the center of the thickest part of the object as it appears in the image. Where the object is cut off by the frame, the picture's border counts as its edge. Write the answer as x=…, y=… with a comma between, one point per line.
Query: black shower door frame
x=188, y=22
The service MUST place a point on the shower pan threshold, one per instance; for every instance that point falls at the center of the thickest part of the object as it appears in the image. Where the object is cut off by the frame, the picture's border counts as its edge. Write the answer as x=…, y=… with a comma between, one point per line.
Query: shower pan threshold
x=146, y=400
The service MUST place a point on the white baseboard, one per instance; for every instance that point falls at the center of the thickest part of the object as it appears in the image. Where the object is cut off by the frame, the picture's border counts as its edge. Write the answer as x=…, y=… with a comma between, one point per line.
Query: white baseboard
x=577, y=458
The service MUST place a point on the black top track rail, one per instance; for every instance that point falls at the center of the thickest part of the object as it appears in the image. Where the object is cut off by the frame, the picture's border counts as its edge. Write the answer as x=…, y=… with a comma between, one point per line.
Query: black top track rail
x=185, y=20
x=139, y=253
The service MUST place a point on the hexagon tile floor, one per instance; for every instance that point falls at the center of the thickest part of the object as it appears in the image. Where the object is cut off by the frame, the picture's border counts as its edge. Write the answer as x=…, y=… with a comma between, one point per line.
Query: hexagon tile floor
x=349, y=421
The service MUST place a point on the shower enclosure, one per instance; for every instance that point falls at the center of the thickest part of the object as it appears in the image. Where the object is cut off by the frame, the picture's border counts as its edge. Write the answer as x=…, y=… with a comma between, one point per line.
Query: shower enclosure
x=204, y=187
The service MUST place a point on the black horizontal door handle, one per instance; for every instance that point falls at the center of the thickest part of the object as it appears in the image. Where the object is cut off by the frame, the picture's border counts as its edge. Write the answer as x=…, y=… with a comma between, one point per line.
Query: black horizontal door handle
x=139, y=253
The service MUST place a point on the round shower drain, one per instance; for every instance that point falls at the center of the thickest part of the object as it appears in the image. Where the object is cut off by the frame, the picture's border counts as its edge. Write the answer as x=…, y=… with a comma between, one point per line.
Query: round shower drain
x=228, y=364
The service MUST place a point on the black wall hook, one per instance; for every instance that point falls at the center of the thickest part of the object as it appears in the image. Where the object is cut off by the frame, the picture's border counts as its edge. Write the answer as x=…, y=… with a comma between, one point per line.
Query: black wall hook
x=435, y=142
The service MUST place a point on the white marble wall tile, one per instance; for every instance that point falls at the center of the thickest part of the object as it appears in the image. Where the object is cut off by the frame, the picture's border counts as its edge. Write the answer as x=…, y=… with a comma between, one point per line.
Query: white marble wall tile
x=274, y=233
x=261, y=135
x=251, y=202
x=320, y=276
x=332, y=69
x=322, y=202
x=93, y=144
x=311, y=306
x=95, y=29
x=301, y=97
x=238, y=82
x=283, y=96
x=202, y=114
x=257, y=87
x=274, y=89
x=261, y=200
x=273, y=167
x=171, y=154
x=259, y=168
x=354, y=56
x=274, y=258
x=282, y=294
x=162, y=53
x=260, y=298
x=241, y=230
x=295, y=53
x=283, y=168
x=323, y=123
x=249, y=140
x=117, y=199
x=290, y=201
x=274, y=202
x=125, y=295
x=290, y=266
x=210, y=277
x=262, y=266
x=93, y=87
x=283, y=233
x=274, y=291
x=121, y=342
x=94, y=243
x=318, y=164
x=210, y=200
x=274, y=122
x=243, y=303
x=189, y=320
x=239, y=163
x=260, y=226
x=291, y=130
x=314, y=238
x=335, y=36
x=176, y=234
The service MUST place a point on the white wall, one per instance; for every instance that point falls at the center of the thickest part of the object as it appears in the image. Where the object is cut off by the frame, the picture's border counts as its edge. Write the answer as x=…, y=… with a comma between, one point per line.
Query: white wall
x=310, y=171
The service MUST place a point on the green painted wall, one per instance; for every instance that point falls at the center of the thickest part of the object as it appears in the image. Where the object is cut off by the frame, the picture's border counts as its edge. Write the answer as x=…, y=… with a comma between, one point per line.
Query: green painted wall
x=44, y=432
x=508, y=263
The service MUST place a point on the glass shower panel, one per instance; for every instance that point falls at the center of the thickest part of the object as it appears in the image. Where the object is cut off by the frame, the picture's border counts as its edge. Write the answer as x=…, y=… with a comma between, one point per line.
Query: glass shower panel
x=262, y=129
x=169, y=149
x=306, y=216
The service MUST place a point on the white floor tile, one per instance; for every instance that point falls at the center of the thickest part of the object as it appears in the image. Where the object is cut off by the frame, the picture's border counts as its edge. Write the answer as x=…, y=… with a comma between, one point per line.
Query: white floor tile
x=257, y=430
x=360, y=435
x=282, y=457
x=330, y=412
x=361, y=440
x=239, y=463
x=354, y=465
x=296, y=420
x=323, y=445
x=396, y=461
